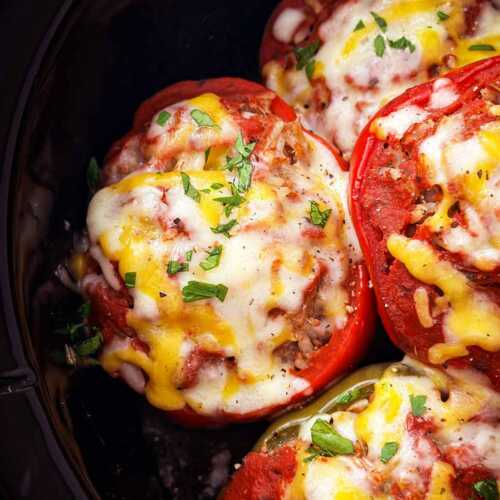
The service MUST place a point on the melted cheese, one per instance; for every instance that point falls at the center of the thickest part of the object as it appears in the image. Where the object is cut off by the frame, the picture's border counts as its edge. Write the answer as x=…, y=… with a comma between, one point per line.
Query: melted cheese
x=359, y=81
x=422, y=465
x=472, y=319
x=146, y=220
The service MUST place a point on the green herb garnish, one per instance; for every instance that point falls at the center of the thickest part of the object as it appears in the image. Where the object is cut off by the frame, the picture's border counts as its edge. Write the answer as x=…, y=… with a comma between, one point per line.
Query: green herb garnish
x=379, y=44
x=486, y=47
x=442, y=16
x=207, y=154
x=85, y=309
x=388, y=451
x=217, y=185
x=351, y=395
x=241, y=162
x=327, y=441
x=130, y=279
x=402, y=44
x=213, y=258
x=197, y=290
x=382, y=23
x=189, y=189
x=486, y=489
x=224, y=228
x=163, y=117
x=310, y=66
x=230, y=202
x=189, y=255
x=318, y=217
x=174, y=267
x=418, y=404
x=91, y=345
x=93, y=174
x=305, y=54
x=359, y=26
x=202, y=119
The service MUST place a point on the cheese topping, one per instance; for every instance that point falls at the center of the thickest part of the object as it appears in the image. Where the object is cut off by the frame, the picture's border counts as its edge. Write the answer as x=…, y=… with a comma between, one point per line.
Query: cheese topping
x=419, y=37
x=283, y=274
x=457, y=427
x=471, y=319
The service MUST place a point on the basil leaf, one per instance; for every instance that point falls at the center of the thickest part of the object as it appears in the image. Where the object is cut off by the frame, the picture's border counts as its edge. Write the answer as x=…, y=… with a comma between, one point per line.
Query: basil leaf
x=130, y=280
x=388, y=451
x=325, y=437
x=93, y=174
x=402, y=43
x=197, y=290
x=89, y=346
x=245, y=150
x=224, y=228
x=305, y=54
x=486, y=47
x=189, y=189
x=310, y=66
x=359, y=26
x=202, y=119
x=486, y=489
x=382, y=23
x=442, y=16
x=163, y=117
x=230, y=202
x=418, y=404
x=213, y=259
x=174, y=267
x=318, y=217
x=379, y=44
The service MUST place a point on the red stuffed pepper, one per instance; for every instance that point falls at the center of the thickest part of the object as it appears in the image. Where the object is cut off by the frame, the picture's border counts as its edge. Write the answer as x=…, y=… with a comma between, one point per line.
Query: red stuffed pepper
x=402, y=432
x=425, y=200
x=222, y=267
x=338, y=62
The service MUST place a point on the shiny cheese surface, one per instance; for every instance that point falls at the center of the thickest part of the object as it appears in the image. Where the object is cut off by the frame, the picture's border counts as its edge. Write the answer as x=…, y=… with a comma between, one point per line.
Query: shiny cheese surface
x=357, y=80
x=269, y=261
x=459, y=428
x=464, y=164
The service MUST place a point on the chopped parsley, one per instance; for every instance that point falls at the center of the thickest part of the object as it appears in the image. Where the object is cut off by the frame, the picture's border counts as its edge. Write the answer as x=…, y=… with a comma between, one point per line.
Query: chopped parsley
x=174, y=267
x=76, y=339
x=310, y=66
x=402, y=44
x=418, y=404
x=318, y=217
x=197, y=290
x=130, y=279
x=482, y=47
x=241, y=162
x=327, y=441
x=189, y=189
x=381, y=22
x=359, y=26
x=202, y=119
x=486, y=489
x=213, y=258
x=379, y=44
x=305, y=54
x=442, y=16
x=351, y=395
x=93, y=174
x=224, y=228
x=230, y=202
x=388, y=451
x=163, y=117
